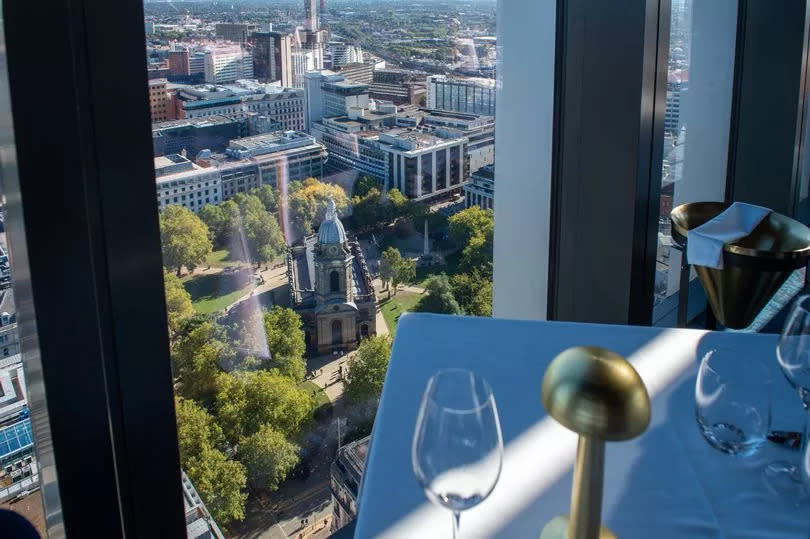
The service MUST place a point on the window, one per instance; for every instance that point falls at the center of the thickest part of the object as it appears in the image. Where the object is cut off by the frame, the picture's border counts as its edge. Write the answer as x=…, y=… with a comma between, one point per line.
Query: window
x=334, y=281
x=696, y=128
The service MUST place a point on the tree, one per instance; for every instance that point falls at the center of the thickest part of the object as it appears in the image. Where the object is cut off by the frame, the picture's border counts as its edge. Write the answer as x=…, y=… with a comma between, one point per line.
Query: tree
x=183, y=238
x=196, y=430
x=368, y=367
x=219, y=481
x=439, y=297
x=474, y=229
x=404, y=272
x=268, y=457
x=178, y=302
x=247, y=400
x=286, y=341
x=473, y=293
x=266, y=194
x=196, y=358
x=370, y=210
x=263, y=236
x=389, y=262
x=399, y=204
x=470, y=222
x=307, y=204
x=364, y=185
x=214, y=218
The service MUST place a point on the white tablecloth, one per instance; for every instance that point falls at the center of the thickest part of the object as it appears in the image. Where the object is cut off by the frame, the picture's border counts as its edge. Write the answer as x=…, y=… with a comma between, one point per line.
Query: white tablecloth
x=666, y=483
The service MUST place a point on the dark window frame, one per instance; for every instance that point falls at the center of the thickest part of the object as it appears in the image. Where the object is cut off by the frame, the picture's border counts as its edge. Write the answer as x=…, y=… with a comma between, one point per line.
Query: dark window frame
x=110, y=409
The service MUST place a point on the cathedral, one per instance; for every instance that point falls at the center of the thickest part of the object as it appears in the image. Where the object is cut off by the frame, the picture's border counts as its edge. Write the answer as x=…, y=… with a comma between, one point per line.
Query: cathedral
x=331, y=289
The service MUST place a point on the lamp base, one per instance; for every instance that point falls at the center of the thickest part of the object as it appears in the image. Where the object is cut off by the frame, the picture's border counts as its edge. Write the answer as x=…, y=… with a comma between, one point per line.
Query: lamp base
x=557, y=528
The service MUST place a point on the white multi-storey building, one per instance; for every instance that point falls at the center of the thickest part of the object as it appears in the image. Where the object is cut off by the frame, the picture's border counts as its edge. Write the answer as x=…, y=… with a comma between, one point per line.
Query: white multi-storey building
x=480, y=190
x=329, y=95
x=343, y=54
x=419, y=163
x=227, y=63
x=181, y=182
x=283, y=105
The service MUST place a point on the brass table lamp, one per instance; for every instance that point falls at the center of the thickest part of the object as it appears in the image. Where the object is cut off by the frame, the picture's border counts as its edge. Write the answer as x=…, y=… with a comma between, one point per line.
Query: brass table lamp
x=599, y=395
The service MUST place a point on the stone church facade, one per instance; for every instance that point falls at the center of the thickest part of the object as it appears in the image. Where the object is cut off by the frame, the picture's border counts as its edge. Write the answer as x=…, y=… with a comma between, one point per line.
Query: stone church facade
x=331, y=289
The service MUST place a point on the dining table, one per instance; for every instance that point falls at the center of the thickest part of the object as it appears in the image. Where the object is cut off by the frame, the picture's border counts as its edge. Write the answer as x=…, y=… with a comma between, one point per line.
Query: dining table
x=666, y=483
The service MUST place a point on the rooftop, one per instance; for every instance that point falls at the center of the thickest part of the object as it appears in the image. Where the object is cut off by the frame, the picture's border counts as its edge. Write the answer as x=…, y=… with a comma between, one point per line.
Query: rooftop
x=353, y=457
x=13, y=396
x=205, y=121
x=174, y=166
x=267, y=143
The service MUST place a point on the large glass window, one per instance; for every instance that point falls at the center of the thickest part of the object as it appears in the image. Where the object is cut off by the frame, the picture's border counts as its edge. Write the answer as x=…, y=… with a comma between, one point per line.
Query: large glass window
x=696, y=126
x=268, y=351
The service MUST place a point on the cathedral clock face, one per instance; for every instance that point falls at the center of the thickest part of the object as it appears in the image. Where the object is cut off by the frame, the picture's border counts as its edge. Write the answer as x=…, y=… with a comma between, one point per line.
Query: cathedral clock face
x=333, y=250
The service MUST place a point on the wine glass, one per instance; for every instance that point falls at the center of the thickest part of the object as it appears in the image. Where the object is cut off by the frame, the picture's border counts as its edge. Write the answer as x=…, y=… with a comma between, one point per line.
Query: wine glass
x=793, y=354
x=732, y=404
x=457, y=449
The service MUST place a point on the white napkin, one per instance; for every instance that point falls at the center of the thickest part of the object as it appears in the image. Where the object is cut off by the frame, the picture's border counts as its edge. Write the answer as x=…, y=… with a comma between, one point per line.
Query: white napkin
x=704, y=244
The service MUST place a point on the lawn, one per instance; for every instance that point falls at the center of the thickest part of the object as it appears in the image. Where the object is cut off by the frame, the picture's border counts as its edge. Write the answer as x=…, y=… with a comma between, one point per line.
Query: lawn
x=394, y=307
x=221, y=259
x=320, y=395
x=211, y=293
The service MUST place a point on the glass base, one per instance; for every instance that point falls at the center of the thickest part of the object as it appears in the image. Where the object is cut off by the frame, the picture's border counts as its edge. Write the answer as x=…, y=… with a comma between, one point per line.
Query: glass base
x=783, y=480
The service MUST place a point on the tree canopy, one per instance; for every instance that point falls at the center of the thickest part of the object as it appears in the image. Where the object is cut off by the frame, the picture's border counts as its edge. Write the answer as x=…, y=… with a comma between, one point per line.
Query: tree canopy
x=396, y=270
x=183, y=238
x=368, y=367
x=218, y=479
x=268, y=457
x=196, y=429
x=267, y=195
x=285, y=341
x=247, y=400
x=389, y=261
x=363, y=185
x=307, y=202
x=473, y=293
x=196, y=357
x=178, y=302
x=439, y=297
x=474, y=229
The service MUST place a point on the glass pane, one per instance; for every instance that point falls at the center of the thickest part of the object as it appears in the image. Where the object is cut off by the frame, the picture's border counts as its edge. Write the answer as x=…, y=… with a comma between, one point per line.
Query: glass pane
x=696, y=125
x=320, y=170
x=27, y=471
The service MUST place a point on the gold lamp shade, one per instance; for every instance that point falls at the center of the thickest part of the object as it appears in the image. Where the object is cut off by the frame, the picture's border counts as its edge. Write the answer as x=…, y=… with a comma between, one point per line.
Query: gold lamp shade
x=595, y=392
x=599, y=395
x=754, y=266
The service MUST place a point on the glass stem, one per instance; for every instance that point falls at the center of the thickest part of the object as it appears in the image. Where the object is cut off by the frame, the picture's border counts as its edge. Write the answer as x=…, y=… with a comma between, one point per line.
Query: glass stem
x=456, y=522
x=800, y=472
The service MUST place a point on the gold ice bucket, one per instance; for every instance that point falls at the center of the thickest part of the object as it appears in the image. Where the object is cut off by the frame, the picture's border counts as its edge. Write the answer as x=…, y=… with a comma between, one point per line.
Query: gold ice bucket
x=754, y=267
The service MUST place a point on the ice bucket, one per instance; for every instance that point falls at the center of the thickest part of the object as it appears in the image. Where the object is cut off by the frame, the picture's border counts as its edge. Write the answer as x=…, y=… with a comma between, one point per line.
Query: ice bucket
x=754, y=267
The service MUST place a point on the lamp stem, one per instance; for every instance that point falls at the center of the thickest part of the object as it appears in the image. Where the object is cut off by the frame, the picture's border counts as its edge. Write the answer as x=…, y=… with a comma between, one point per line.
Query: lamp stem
x=586, y=494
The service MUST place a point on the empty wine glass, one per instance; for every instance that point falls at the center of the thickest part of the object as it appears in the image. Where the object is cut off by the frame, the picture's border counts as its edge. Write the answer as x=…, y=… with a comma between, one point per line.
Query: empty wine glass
x=732, y=401
x=457, y=448
x=793, y=354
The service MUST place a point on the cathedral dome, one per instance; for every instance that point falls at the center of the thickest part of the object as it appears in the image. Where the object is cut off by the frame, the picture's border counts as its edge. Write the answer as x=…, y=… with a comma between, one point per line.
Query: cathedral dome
x=331, y=230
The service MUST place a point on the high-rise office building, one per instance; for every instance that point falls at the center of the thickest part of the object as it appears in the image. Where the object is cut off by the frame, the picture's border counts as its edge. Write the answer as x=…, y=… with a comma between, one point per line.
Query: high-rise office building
x=236, y=32
x=227, y=63
x=343, y=54
x=311, y=15
x=160, y=102
x=179, y=62
x=328, y=94
x=476, y=96
x=272, y=57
